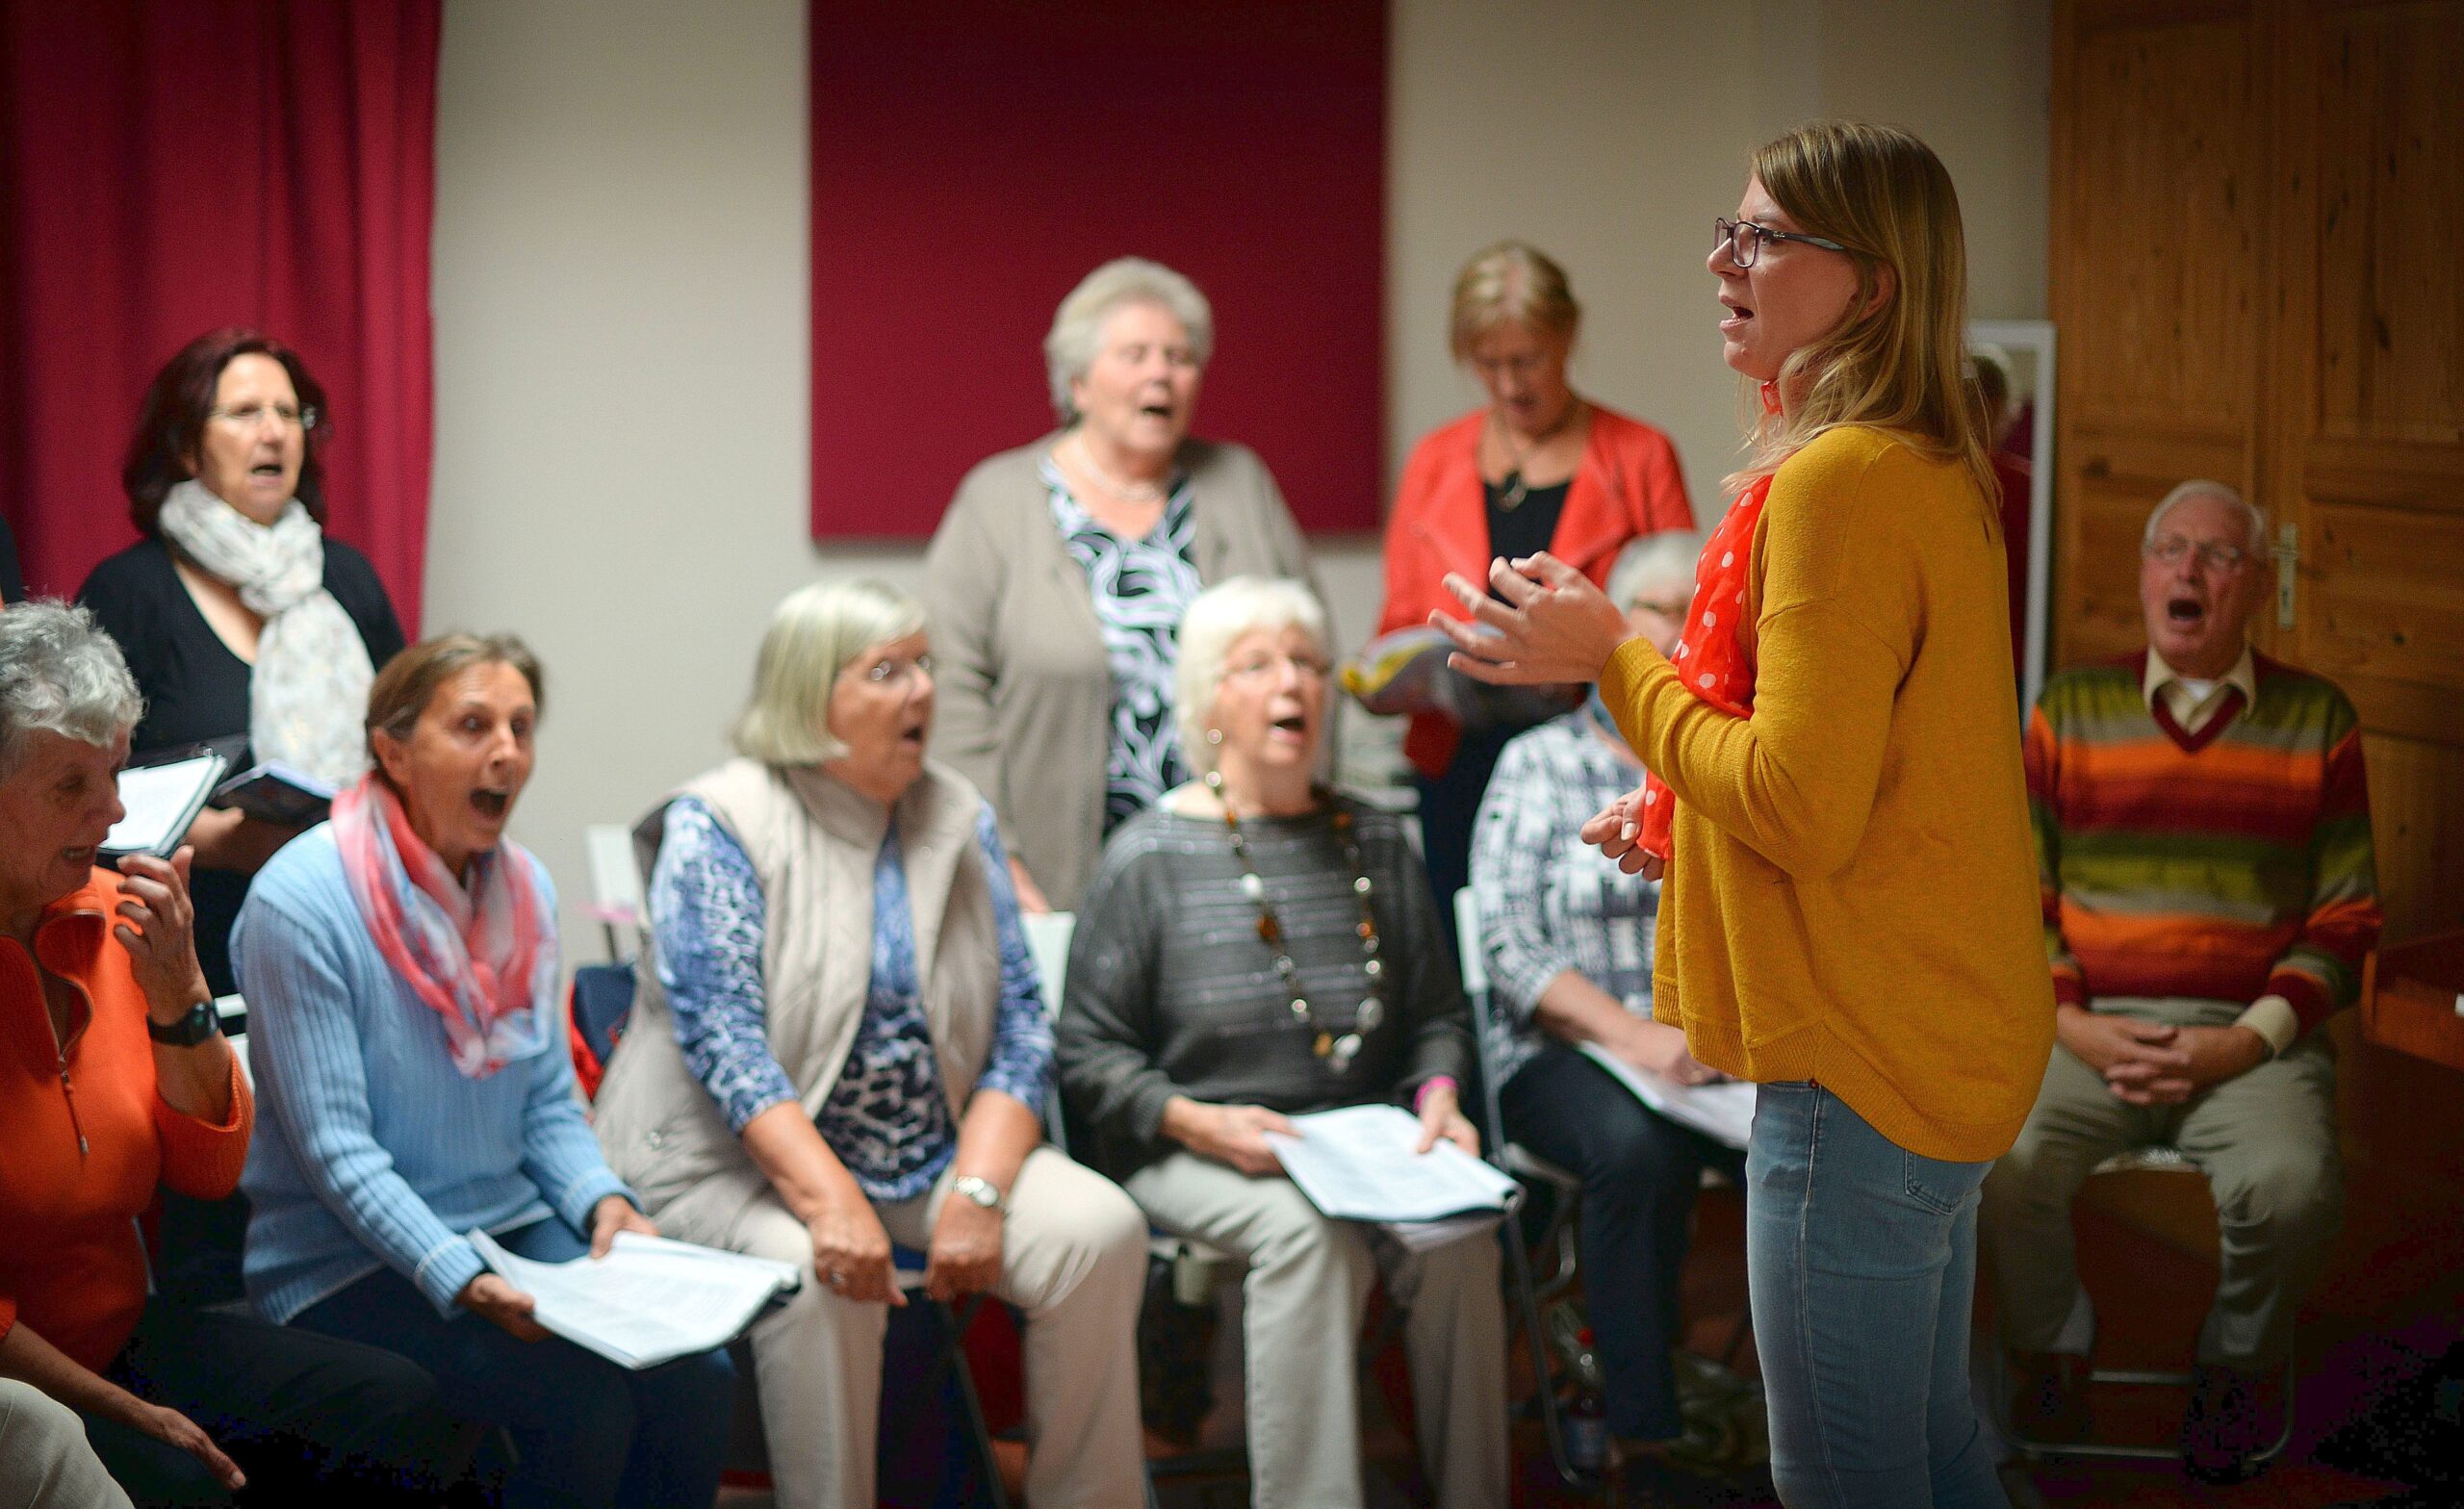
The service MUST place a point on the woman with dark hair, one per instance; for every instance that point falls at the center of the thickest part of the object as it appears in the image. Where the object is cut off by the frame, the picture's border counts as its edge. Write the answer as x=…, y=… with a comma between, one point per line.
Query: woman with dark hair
x=239, y=619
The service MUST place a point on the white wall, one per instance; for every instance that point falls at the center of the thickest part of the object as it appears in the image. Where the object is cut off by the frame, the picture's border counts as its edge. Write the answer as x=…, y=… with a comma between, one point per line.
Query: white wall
x=620, y=297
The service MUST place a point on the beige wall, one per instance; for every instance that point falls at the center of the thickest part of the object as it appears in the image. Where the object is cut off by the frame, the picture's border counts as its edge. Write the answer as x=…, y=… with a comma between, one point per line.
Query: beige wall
x=621, y=298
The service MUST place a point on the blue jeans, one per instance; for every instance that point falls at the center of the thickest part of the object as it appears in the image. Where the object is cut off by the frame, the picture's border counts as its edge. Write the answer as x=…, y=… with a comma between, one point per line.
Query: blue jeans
x=587, y=1431
x=1861, y=1258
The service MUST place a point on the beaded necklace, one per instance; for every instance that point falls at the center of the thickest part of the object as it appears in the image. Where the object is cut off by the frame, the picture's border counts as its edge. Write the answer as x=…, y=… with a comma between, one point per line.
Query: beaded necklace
x=1337, y=1051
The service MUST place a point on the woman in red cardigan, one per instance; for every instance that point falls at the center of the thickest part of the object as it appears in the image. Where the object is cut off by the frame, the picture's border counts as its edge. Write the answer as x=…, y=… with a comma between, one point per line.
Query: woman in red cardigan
x=115, y=1080
x=1540, y=467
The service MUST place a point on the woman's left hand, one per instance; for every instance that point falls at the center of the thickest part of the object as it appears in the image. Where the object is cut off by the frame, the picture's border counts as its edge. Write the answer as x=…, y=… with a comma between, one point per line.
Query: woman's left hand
x=965, y=1255
x=159, y=933
x=611, y=1214
x=1616, y=830
x=1442, y=1117
x=1554, y=626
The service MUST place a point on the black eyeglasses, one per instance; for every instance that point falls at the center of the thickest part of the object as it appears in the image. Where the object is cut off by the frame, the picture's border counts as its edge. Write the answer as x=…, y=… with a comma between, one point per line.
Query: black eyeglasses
x=1744, y=239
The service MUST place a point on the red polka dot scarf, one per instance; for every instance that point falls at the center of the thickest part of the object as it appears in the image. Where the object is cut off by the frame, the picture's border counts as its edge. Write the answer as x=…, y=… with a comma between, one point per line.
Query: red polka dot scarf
x=1711, y=660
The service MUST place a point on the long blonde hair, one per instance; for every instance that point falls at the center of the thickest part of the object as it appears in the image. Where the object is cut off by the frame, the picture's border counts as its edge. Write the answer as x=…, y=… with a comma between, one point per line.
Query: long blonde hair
x=1903, y=368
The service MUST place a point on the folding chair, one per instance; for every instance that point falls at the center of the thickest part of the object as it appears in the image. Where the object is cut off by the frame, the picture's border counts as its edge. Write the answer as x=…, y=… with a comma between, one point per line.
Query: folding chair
x=1564, y=1188
x=2173, y=1163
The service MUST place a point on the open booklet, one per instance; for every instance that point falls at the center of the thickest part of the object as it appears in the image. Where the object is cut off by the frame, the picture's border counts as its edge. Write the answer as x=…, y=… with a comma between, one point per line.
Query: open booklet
x=158, y=803
x=1723, y=1110
x=1358, y=1163
x=650, y=1300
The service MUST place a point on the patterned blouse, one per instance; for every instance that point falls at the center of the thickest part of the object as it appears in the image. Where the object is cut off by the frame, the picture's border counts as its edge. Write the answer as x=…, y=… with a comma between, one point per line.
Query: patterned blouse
x=1549, y=901
x=887, y=1118
x=1141, y=588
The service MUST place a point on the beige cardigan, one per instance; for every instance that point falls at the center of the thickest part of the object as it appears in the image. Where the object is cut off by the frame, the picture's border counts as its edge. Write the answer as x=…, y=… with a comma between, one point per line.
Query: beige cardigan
x=812, y=841
x=1025, y=690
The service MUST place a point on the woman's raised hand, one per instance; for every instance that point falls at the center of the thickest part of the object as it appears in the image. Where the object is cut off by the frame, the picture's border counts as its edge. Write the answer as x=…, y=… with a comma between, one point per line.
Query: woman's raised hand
x=158, y=929
x=1616, y=832
x=851, y=1252
x=1553, y=627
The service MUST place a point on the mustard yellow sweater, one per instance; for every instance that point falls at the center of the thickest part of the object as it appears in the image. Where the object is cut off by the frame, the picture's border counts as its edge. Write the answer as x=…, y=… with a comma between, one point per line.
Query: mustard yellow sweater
x=1853, y=897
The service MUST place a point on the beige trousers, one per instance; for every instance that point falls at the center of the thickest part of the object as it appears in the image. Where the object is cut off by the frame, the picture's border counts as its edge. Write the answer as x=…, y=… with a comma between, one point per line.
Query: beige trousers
x=2267, y=1142
x=1073, y=1258
x=44, y=1460
x=1308, y=1279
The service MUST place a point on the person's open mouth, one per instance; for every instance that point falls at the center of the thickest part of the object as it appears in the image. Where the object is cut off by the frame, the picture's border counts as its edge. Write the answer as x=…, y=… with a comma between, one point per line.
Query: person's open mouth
x=492, y=801
x=2185, y=612
x=1738, y=315
x=912, y=737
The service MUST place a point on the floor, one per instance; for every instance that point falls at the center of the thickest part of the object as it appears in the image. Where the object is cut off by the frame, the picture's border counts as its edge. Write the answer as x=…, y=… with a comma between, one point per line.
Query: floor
x=2394, y=1294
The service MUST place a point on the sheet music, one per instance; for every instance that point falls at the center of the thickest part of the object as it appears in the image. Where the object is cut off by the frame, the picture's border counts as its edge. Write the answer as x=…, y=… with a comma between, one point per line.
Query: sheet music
x=160, y=802
x=650, y=1300
x=1357, y=1163
x=1723, y=1111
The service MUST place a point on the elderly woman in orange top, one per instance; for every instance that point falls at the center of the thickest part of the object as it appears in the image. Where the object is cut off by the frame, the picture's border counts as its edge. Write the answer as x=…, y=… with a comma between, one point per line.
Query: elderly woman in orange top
x=1540, y=467
x=115, y=1079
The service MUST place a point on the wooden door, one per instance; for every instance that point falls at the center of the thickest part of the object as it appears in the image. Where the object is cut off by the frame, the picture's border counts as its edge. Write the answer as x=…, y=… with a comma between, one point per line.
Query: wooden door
x=2157, y=223
x=2299, y=333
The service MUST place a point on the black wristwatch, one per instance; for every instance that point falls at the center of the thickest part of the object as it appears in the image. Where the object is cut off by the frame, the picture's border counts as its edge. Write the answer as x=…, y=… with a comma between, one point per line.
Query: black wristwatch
x=201, y=1022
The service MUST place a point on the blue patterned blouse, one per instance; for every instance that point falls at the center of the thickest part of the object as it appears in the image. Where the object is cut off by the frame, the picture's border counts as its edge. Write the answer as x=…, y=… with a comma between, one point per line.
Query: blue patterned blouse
x=1140, y=589
x=887, y=1118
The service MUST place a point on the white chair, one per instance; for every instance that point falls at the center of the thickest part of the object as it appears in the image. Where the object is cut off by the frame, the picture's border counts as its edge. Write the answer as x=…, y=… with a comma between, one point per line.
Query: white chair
x=615, y=889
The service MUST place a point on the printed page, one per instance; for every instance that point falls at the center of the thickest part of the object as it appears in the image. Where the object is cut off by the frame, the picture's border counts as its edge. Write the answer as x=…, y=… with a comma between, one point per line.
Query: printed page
x=1357, y=1163
x=1723, y=1111
x=640, y=1306
x=160, y=802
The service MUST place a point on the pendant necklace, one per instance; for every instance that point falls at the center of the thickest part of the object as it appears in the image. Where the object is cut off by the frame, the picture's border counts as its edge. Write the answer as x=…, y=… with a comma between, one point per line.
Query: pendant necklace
x=1337, y=1050
x=1512, y=490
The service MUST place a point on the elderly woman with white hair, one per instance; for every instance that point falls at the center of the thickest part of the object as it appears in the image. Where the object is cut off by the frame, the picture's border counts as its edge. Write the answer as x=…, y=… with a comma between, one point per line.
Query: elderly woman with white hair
x=841, y=1042
x=1258, y=946
x=1059, y=575
x=1568, y=937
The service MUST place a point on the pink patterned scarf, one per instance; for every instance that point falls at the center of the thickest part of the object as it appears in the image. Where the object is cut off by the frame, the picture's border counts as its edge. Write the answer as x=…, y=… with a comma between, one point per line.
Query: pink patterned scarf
x=484, y=960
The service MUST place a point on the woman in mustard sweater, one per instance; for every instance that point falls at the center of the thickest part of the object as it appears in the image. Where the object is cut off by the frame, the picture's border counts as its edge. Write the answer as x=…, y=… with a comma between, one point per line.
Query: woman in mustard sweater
x=1850, y=916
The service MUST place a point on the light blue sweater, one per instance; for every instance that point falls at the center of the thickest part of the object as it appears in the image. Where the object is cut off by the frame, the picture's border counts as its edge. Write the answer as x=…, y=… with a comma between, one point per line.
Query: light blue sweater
x=371, y=1148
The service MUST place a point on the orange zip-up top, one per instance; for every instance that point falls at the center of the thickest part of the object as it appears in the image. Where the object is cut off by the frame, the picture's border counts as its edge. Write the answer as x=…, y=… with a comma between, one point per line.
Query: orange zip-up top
x=85, y=1137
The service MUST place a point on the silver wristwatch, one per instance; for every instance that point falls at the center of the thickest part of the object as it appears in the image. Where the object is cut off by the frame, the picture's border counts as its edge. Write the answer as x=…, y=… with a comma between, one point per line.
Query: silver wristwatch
x=981, y=1191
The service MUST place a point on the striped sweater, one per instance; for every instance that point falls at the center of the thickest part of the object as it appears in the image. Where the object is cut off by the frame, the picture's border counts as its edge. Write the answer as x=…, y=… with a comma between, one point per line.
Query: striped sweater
x=2226, y=865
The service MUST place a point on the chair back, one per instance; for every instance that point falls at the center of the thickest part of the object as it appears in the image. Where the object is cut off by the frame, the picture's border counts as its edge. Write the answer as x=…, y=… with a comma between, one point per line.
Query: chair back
x=602, y=998
x=1048, y=936
x=615, y=887
x=1470, y=945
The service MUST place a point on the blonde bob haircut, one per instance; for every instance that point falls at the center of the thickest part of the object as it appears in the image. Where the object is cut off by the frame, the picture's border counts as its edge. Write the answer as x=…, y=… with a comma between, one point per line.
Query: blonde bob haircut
x=1510, y=283
x=815, y=632
x=1218, y=619
x=1077, y=334
x=1897, y=360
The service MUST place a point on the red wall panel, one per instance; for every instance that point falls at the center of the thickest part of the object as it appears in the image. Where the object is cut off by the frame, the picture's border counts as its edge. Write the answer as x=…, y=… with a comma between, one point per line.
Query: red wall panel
x=972, y=160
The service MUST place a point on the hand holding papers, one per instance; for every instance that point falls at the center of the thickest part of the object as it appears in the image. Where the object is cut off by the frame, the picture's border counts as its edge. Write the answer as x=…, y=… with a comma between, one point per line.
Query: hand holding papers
x=1358, y=1163
x=1723, y=1111
x=650, y=1300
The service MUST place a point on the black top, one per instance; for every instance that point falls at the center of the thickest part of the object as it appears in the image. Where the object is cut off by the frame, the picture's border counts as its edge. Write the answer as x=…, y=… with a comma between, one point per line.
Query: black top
x=196, y=689
x=12, y=581
x=1527, y=527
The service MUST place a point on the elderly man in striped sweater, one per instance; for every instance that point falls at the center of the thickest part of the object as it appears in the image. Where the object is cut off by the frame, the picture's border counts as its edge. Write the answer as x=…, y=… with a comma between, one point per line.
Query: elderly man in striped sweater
x=2203, y=839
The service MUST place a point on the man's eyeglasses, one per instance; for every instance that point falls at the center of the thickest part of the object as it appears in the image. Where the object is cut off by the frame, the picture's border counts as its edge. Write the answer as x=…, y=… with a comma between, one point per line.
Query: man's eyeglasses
x=2172, y=550
x=1744, y=239
x=248, y=416
x=1307, y=667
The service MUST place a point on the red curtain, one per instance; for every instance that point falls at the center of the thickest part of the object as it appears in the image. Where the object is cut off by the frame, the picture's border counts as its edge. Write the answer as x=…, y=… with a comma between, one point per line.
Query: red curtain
x=973, y=159
x=165, y=170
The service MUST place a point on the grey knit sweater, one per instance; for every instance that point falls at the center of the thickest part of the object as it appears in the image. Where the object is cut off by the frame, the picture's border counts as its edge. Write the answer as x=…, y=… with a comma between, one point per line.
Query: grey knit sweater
x=1172, y=991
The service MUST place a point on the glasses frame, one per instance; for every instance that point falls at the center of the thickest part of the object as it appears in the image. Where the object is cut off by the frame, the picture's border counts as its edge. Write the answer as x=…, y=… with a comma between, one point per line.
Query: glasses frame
x=305, y=421
x=2172, y=550
x=1725, y=234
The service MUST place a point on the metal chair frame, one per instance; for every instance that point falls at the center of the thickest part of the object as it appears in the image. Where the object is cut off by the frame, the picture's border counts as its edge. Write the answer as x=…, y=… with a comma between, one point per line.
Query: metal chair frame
x=1530, y=1168
x=2172, y=1162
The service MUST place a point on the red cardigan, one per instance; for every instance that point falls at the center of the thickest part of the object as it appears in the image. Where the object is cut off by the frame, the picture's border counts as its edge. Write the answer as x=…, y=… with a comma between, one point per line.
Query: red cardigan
x=71, y=1264
x=1628, y=485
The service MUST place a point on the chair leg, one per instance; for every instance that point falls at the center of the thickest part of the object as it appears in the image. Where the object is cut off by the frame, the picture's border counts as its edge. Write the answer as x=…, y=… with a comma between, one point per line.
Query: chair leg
x=954, y=1328
x=1535, y=1338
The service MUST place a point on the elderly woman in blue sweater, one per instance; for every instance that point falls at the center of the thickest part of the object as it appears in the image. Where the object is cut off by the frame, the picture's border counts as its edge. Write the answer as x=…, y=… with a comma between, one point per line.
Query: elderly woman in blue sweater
x=400, y=968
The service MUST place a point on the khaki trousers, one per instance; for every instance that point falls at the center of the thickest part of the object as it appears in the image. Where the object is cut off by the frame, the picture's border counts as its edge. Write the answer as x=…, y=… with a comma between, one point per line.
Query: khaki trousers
x=1073, y=1258
x=2267, y=1142
x=1308, y=1279
x=44, y=1460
